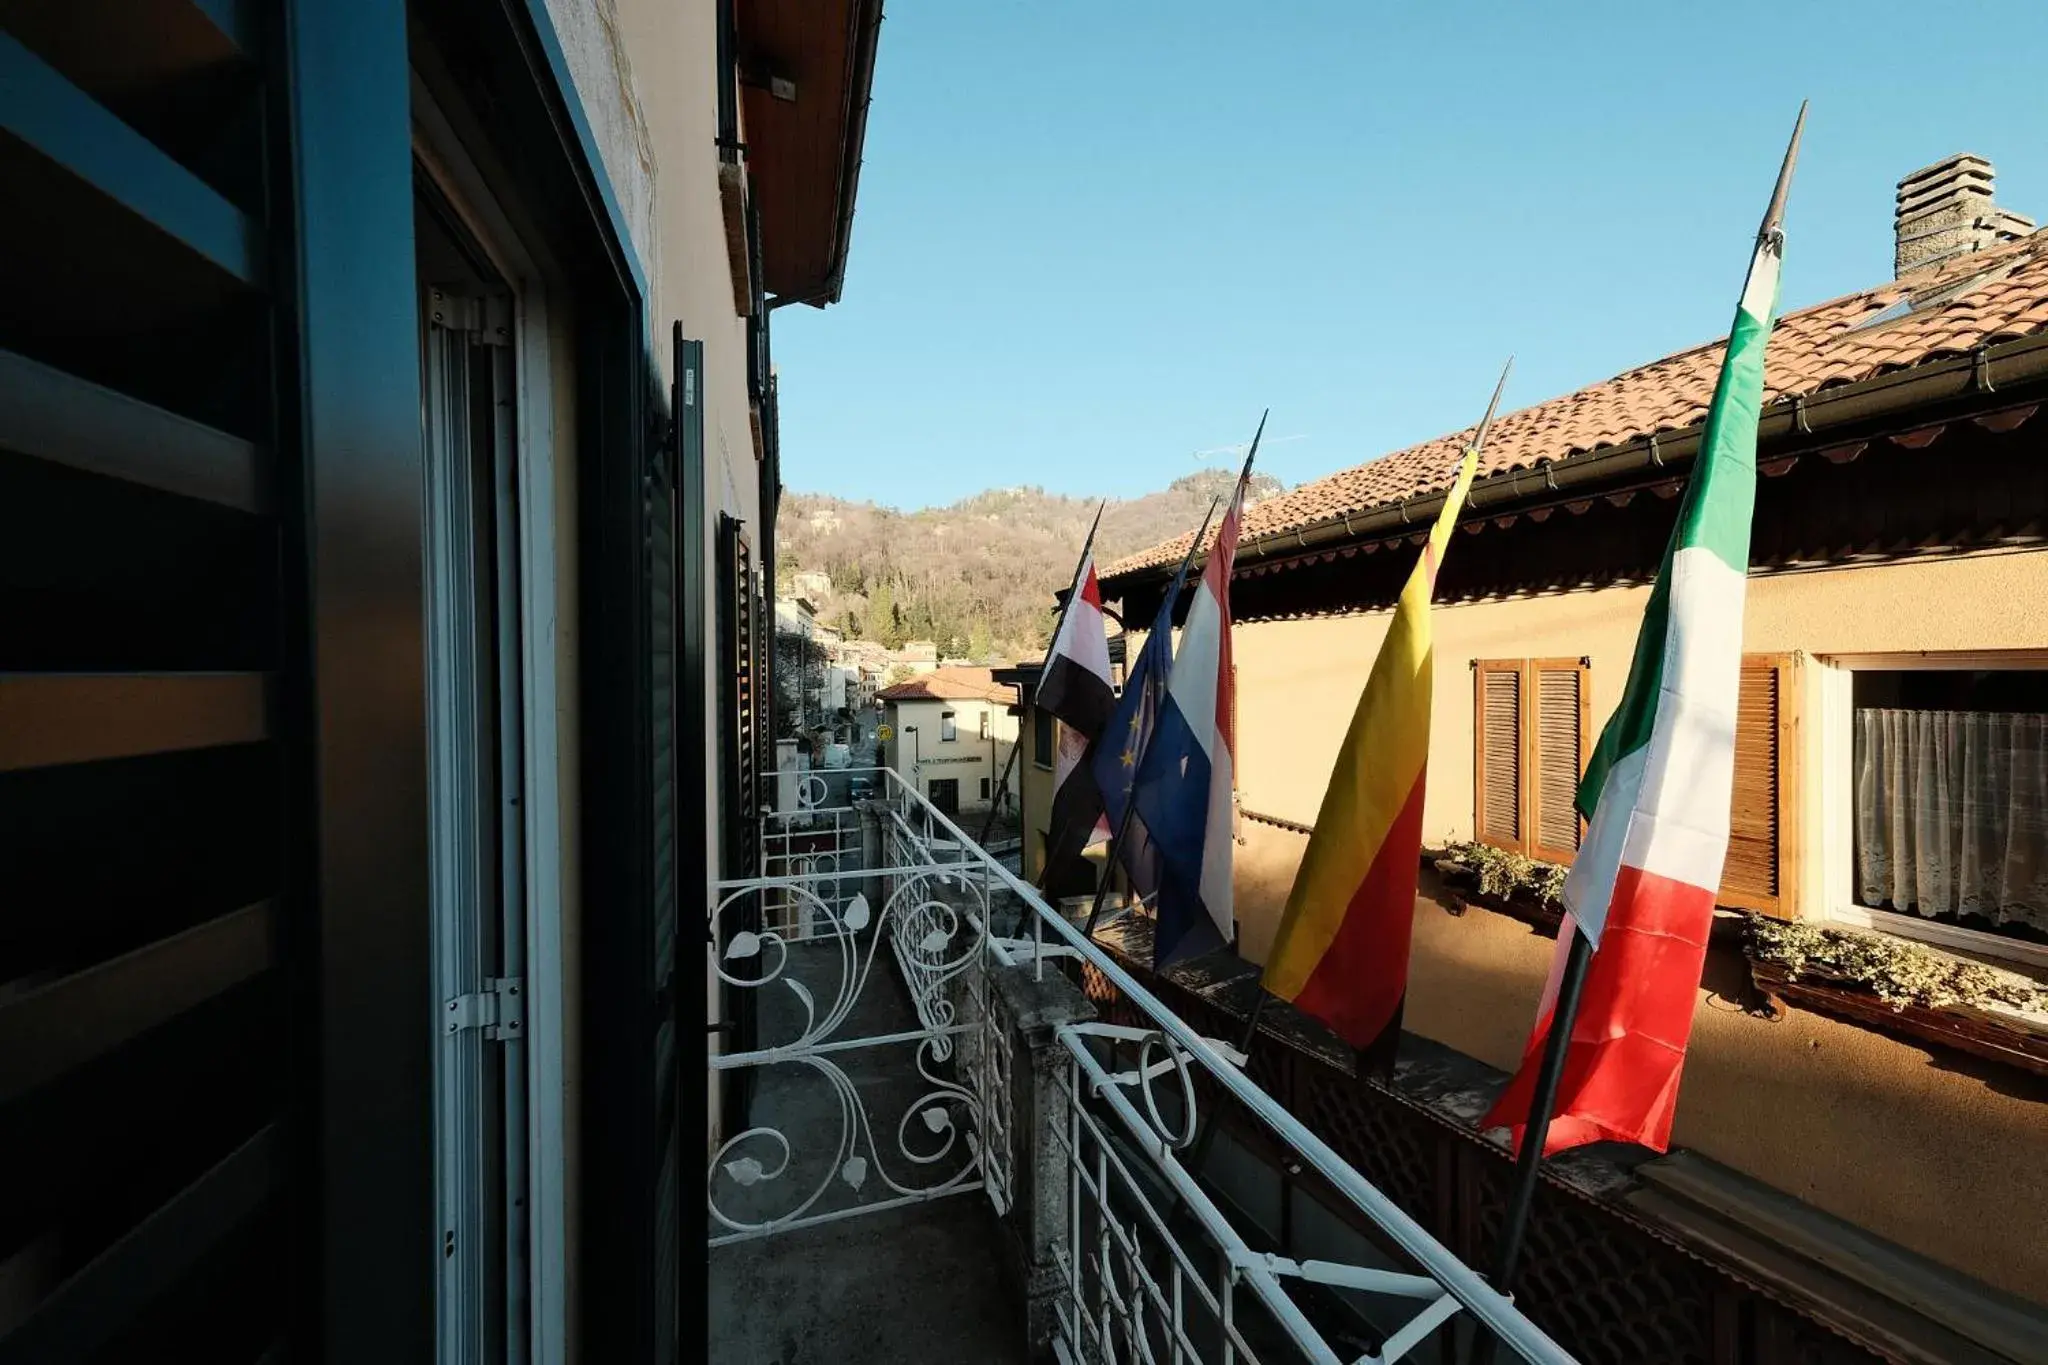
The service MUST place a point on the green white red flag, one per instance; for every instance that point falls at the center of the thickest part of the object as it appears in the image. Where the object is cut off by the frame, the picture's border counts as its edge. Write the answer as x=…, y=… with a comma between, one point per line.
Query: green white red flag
x=1657, y=790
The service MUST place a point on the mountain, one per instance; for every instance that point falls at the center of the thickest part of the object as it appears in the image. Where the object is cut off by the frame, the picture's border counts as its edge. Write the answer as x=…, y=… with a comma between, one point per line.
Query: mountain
x=978, y=577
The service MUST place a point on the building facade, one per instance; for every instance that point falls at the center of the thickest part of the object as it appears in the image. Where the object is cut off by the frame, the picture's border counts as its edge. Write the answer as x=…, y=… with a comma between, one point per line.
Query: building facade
x=389, y=456
x=951, y=732
x=1892, y=777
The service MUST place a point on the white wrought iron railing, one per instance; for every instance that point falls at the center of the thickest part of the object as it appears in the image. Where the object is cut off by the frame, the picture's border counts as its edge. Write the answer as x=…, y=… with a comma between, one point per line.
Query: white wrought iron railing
x=1151, y=1267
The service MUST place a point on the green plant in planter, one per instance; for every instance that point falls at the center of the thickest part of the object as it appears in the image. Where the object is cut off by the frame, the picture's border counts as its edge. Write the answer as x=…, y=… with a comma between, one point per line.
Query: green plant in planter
x=1896, y=971
x=1502, y=874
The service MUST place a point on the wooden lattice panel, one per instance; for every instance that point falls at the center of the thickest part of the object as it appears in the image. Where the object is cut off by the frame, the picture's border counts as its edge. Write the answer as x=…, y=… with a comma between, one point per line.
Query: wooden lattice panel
x=1604, y=1287
x=1387, y=1147
x=1615, y=1295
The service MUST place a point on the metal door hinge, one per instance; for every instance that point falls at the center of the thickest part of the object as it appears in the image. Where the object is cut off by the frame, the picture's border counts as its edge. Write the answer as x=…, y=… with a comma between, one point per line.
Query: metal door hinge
x=499, y=1009
x=486, y=319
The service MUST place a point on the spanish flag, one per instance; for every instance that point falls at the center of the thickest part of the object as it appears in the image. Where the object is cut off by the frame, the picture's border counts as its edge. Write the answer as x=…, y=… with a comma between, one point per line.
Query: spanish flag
x=1342, y=952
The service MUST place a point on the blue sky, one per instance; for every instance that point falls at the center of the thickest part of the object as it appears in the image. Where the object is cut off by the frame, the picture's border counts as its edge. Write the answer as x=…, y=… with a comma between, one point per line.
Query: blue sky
x=1093, y=239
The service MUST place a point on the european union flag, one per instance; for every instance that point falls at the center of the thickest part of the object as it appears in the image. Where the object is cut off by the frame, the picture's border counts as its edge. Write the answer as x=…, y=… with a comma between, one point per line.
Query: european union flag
x=1123, y=743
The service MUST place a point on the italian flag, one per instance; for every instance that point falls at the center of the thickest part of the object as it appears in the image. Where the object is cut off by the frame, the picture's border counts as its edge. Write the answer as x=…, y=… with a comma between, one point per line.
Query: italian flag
x=1656, y=792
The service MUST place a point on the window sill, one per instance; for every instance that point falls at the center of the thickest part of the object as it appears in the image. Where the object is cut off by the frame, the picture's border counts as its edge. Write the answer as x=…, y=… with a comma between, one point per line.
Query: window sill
x=1998, y=1035
x=1975, y=942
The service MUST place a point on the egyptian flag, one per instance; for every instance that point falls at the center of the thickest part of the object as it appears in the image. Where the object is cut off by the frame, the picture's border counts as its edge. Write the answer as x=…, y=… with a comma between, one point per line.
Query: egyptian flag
x=1074, y=687
x=1342, y=950
x=1657, y=789
x=1185, y=782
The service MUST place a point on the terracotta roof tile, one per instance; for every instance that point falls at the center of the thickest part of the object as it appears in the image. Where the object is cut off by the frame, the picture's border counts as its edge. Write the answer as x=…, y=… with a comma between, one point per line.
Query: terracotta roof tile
x=950, y=684
x=1813, y=349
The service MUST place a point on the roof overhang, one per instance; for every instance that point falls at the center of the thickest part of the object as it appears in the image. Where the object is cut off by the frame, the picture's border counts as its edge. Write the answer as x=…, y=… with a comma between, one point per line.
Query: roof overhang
x=807, y=71
x=1903, y=401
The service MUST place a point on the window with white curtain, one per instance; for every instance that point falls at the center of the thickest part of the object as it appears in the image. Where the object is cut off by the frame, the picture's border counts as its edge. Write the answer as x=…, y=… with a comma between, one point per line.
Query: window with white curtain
x=1950, y=797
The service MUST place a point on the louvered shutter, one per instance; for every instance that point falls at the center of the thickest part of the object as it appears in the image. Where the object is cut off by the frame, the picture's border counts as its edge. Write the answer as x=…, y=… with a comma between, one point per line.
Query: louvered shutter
x=1497, y=753
x=1759, y=873
x=173, y=748
x=1556, y=754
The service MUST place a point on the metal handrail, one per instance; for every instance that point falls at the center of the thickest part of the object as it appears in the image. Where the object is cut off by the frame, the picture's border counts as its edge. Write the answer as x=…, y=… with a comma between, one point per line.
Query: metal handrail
x=1493, y=1310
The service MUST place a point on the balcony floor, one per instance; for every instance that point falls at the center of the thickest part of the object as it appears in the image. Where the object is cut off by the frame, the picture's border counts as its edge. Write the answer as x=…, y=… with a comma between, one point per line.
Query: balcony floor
x=922, y=1282
x=913, y=1284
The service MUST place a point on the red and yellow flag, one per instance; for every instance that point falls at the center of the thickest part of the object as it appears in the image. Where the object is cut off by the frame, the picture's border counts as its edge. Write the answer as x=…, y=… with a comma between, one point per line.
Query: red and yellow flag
x=1342, y=952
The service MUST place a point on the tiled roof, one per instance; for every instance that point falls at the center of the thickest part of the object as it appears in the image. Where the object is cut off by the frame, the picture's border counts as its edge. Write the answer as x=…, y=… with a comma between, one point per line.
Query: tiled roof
x=950, y=684
x=2003, y=295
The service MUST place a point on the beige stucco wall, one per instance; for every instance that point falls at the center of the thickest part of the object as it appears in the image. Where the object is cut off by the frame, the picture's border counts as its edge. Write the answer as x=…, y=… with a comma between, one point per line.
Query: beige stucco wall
x=1934, y=1150
x=1298, y=681
x=1034, y=785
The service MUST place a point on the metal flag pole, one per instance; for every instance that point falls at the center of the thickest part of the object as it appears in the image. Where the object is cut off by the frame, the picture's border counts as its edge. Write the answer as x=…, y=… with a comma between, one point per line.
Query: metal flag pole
x=1116, y=843
x=1073, y=592
x=1557, y=1042
x=1059, y=624
x=1251, y=1025
x=1123, y=824
x=995, y=795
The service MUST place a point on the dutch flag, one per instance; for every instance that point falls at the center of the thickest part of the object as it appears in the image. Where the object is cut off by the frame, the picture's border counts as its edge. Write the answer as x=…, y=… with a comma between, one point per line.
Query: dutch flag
x=1183, y=791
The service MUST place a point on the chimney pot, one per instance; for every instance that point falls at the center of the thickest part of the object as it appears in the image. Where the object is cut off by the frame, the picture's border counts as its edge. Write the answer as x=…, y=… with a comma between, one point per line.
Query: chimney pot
x=1946, y=210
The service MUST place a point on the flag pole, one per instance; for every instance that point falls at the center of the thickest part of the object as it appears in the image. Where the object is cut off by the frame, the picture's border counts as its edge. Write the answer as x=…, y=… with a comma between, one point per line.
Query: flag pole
x=1251, y=1025
x=1123, y=824
x=1072, y=592
x=996, y=794
x=1059, y=624
x=1557, y=1041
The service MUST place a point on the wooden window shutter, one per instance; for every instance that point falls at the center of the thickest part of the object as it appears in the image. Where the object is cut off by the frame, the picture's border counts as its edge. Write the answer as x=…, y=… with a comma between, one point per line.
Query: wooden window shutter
x=1497, y=753
x=1559, y=741
x=1761, y=871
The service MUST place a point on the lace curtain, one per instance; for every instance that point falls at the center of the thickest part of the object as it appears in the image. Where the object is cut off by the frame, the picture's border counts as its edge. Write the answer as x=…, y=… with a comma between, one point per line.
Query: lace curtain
x=1952, y=813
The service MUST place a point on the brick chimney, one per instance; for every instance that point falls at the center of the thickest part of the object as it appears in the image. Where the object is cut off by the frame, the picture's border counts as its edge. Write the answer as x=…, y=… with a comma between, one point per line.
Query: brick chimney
x=1945, y=211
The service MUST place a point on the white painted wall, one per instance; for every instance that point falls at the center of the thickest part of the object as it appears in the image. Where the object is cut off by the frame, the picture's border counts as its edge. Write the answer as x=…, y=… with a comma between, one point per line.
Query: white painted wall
x=596, y=49
x=967, y=758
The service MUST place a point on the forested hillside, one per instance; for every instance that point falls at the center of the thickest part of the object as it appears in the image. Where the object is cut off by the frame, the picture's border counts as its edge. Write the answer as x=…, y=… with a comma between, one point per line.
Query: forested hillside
x=978, y=577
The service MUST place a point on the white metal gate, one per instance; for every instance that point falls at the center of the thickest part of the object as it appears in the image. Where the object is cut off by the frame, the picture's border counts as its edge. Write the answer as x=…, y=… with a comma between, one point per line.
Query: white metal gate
x=868, y=1089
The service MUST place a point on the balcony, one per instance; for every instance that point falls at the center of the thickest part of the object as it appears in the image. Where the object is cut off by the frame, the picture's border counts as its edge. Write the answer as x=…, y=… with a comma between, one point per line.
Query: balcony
x=935, y=1149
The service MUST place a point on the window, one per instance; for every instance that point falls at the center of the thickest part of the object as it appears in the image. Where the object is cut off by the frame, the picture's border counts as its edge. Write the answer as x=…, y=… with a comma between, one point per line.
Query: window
x=1935, y=794
x=948, y=731
x=1531, y=736
x=984, y=789
x=984, y=722
x=1042, y=726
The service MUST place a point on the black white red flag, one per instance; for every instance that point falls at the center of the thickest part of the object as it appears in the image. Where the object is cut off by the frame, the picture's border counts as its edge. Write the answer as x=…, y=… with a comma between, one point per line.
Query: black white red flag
x=1075, y=688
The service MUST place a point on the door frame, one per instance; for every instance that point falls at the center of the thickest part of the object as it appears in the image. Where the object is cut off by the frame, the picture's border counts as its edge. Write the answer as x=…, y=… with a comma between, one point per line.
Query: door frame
x=540, y=364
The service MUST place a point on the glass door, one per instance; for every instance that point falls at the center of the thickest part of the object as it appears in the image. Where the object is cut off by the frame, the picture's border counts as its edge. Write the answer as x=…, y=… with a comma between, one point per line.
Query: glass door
x=475, y=778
